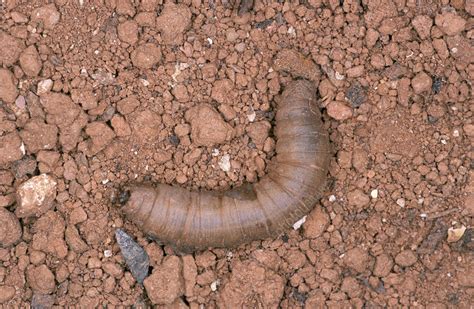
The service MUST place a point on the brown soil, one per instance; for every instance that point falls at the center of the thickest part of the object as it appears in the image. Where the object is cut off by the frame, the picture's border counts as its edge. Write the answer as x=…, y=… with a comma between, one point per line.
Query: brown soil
x=102, y=93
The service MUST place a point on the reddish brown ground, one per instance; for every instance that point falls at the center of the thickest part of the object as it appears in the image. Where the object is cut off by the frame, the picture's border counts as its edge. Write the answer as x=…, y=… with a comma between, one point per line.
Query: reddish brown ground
x=98, y=94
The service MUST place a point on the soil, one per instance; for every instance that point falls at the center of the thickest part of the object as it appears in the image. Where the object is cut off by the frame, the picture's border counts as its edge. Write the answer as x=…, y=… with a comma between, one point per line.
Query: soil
x=98, y=94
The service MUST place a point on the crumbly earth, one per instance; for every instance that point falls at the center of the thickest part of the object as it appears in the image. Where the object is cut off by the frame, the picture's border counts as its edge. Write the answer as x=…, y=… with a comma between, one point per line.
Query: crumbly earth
x=98, y=94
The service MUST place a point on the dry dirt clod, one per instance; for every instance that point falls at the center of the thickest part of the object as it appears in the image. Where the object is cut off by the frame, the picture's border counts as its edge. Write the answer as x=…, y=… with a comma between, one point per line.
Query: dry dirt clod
x=30, y=61
x=207, y=126
x=136, y=258
x=10, y=229
x=10, y=49
x=316, y=223
x=6, y=293
x=339, y=110
x=406, y=258
x=35, y=196
x=265, y=290
x=10, y=149
x=8, y=90
x=166, y=283
x=38, y=135
x=450, y=23
x=421, y=83
x=48, y=15
x=145, y=56
x=357, y=259
x=173, y=21
x=297, y=64
x=100, y=136
x=41, y=279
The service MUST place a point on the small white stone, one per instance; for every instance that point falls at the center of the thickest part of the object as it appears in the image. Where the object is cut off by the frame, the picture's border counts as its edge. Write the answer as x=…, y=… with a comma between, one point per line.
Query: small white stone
x=214, y=285
x=423, y=216
x=215, y=152
x=401, y=202
x=299, y=223
x=44, y=86
x=374, y=193
x=332, y=198
x=107, y=253
x=443, y=141
x=251, y=116
x=456, y=133
x=292, y=31
x=144, y=82
x=22, y=148
x=209, y=40
x=339, y=76
x=224, y=163
x=105, y=181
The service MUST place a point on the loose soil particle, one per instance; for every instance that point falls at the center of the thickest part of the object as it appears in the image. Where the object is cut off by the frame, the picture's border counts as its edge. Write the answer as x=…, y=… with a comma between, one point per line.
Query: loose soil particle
x=102, y=96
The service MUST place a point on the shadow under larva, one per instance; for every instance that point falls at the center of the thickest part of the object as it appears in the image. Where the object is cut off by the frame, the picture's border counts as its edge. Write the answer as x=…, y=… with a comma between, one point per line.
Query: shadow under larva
x=191, y=220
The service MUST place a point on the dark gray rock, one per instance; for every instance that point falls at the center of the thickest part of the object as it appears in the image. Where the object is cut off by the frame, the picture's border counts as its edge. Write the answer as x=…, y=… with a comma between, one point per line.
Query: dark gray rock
x=135, y=256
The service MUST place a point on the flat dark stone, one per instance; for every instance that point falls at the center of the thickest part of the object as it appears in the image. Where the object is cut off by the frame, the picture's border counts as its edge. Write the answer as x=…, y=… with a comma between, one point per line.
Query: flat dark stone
x=135, y=256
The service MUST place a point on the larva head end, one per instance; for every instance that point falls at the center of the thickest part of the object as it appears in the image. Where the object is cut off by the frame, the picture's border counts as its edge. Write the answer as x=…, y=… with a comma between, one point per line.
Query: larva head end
x=124, y=196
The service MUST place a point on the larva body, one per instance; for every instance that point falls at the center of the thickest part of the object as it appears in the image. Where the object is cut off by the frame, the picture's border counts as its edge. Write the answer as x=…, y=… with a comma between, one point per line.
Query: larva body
x=198, y=220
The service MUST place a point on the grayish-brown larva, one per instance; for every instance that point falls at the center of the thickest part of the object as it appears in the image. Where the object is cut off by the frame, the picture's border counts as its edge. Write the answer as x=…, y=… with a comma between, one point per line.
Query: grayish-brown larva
x=192, y=220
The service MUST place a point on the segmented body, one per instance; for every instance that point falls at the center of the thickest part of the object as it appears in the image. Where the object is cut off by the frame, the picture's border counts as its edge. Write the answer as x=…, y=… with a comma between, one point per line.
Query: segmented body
x=192, y=220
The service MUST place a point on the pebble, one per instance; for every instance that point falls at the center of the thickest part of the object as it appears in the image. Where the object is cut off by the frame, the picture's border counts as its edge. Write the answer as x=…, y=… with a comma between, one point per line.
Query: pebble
x=214, y=285
x=44, y=86
x=135, y=256
x=374, y=193
x=224, y=163
x=401, y=202
x=35, y=196
x=299, y=223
